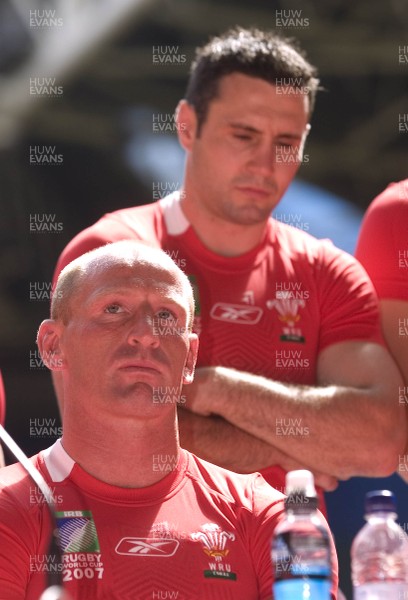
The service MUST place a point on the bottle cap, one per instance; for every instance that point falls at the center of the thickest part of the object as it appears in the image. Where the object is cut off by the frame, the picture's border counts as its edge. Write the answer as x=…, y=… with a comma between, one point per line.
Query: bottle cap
x=301, y=481
x=380, y=501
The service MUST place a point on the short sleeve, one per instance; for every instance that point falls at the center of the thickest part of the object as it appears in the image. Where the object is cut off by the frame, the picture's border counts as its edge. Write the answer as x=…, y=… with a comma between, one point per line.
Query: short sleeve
x=104, y=231
x=141, y=223
x=268, y=510
x=19, y=536
x=348, y=299
x=2, y=401
x=382, y=246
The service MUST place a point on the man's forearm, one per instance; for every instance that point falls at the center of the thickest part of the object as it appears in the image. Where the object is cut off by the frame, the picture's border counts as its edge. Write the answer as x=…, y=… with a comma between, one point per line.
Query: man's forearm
x=339, y=427
x=281, y=416
x=220, y=442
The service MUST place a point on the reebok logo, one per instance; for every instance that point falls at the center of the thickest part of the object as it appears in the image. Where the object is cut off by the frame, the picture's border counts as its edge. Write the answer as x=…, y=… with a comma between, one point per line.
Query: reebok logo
x=133, y=546
x=236, y=313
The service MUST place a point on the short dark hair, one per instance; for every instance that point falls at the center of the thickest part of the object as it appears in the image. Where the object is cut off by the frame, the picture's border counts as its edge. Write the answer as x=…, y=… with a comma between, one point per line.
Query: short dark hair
x=252, y=52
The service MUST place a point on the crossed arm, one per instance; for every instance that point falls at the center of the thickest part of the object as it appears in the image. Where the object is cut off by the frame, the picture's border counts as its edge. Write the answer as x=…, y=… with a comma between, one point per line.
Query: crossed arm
x=351, y=422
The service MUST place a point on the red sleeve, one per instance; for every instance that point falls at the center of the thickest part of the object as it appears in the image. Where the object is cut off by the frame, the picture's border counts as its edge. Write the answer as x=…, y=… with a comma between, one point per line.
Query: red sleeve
x=267, y=512
x=382, y=246
x=348, y=299
x=104, y=231
x=2, y=401
x=143, y=223
x=20, y=547
x=14, y=553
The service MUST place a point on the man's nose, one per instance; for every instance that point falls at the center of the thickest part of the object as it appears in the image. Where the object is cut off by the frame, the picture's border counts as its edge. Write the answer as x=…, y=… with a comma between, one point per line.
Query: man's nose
x=143, y=330
x=263, y=159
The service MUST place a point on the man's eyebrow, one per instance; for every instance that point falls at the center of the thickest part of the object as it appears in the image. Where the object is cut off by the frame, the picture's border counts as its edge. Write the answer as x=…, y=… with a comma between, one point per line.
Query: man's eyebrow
x=252, y=129
x=292, y=136
x=238, y=125
x=110, y=291
x=128, y=292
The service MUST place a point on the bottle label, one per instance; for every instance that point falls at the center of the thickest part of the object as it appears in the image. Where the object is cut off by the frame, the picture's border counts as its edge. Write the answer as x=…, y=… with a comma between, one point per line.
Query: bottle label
x=381, y=591
x=290, y=589
x=300, y=555
x=307, y=570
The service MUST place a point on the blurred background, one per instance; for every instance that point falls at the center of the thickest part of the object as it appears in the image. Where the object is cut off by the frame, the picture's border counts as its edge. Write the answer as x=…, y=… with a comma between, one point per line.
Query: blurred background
x=87, y=94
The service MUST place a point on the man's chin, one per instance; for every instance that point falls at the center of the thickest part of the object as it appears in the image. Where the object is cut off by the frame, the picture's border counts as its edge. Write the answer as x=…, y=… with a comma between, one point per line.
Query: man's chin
x=136, y=392
x=249, y=216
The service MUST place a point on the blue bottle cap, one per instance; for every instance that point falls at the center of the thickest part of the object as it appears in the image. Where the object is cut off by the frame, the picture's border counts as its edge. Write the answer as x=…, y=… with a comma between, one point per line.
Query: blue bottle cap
x=380, y=501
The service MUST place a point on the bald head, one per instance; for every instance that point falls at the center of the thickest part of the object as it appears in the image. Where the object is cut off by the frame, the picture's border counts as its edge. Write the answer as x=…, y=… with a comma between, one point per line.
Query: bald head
x=126, y=253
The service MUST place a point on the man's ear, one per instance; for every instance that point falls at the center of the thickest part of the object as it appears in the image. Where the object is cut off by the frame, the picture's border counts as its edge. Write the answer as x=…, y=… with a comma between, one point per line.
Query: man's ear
x=48, y=341
x=188, y=371
x=186, y=123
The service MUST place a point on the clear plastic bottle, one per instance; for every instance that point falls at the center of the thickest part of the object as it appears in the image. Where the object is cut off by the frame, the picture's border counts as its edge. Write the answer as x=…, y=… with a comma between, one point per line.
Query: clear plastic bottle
x=301, y=552
x=379, y=553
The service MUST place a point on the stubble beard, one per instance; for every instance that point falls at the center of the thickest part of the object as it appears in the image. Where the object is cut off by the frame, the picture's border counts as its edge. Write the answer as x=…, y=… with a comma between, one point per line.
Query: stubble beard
x=246, y=215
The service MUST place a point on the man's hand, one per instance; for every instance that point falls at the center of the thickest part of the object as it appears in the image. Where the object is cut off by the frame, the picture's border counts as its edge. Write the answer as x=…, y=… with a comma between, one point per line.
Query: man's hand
x=197, y=396
x=212, y=438
x=349, y=383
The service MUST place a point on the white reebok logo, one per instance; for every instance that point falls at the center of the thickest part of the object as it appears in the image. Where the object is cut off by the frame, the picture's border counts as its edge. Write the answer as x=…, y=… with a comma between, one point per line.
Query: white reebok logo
x=236, y=313
x=132, y=546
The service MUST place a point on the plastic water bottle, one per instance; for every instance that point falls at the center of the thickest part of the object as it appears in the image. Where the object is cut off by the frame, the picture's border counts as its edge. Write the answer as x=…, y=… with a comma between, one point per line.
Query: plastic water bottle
x=301, y=552
x=379, y=553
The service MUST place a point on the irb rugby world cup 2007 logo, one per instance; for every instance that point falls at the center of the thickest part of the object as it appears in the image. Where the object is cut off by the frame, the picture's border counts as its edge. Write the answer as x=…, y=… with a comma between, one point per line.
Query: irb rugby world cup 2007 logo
x=82, y=558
